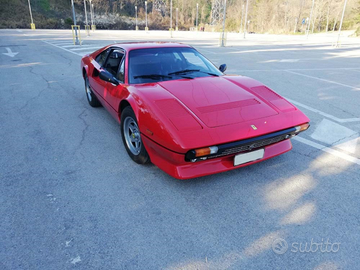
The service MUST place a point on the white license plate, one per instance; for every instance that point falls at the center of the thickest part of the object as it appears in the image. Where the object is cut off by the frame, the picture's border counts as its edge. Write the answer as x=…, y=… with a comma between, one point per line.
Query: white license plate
x=248, y=157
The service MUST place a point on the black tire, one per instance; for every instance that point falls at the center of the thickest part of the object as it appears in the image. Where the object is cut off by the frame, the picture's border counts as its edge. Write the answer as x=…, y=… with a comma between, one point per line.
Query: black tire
x=135, y=149
x=91, y=98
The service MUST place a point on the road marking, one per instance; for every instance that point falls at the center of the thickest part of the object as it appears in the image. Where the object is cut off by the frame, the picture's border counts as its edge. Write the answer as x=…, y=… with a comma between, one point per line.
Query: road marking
x=76, y=46
x=67, y=243
x=207, y=51
x=60, y=42
x=297, y=69
x=324, y=80
x=337, y=135
x=10, y=53
x=75, y=260
x=85, y=53
x=86, y=48
x=69, y=46
x=288, y=60
x=328, y=150
x=61, y=47
x=347, y=120
x=280, y=61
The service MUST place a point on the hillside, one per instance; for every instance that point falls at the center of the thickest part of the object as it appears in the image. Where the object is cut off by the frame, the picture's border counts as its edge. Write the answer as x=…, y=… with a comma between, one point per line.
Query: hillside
x=264, y=16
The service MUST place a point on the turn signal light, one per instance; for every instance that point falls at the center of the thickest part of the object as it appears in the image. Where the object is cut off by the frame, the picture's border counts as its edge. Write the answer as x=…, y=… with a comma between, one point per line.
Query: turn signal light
x=206, y=151
x=302, y=127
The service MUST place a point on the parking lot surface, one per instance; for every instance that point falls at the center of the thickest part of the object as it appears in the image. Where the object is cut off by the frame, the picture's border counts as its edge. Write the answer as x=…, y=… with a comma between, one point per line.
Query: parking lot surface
x=71, y=198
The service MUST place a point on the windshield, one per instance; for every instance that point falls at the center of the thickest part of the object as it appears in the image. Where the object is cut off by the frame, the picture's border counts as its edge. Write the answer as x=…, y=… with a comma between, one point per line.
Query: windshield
x=164, y=64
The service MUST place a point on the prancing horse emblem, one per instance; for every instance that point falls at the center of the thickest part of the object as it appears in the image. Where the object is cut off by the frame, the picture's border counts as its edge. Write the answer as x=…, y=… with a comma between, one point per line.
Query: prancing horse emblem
x=254, y=127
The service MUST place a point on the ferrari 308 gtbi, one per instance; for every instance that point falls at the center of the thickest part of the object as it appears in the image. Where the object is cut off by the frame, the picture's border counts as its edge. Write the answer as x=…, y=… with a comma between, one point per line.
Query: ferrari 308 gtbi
x=177, y=110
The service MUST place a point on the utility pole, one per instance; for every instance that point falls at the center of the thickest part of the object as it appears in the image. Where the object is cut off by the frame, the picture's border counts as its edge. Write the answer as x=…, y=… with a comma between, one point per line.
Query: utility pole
x=92, y=15
x=171, y=19
x=242, y=16
x=311, y=12
x=327, y=18
x=177, y=20
x=77, y=42
x=223, y=32
x=136, y=26
x=31, y=17
x=341, y=22
x=197, y=14
x=146, y=24
x=86, y=20
x=246, y=13
x=170, y=14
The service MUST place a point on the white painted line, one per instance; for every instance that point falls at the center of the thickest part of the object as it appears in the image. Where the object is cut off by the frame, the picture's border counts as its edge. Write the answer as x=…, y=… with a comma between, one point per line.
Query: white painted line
x=62, y=44
x=297, y=69
x=75, y=260
x=347, y=120
x=69, y=45
x=334, y=134
x=86, y=48
x=60, y=47
x=77, y=46
x=67, y=42
x=321, y=69
x=328, y=150
x=207, y=51
x=324, y=80
x=280, y=61
x=84, y=53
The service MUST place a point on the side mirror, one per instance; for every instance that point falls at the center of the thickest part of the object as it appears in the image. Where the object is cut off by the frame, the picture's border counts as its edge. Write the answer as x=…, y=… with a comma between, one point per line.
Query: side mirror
x=223, y=67
x=108, y=77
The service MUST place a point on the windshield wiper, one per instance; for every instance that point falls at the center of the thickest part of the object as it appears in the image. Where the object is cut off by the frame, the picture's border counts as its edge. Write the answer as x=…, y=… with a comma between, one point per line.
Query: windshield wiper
x=183, y=71
x=152, y=76
x=191, y=70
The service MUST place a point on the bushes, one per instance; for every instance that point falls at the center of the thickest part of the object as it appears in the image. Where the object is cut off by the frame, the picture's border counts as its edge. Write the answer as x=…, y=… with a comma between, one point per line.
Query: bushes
x=357, y=32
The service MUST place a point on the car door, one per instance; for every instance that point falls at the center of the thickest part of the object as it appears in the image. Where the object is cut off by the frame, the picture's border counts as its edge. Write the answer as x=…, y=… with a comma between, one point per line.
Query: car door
x=111, y=93
x=94, y=80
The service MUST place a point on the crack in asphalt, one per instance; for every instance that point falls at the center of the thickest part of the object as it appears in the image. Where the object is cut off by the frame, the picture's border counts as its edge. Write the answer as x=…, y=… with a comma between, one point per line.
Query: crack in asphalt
x=346, y=137
x=40, y=92
x=332, y=105
x=80, y=116
x=66, y=58
x=303, y=154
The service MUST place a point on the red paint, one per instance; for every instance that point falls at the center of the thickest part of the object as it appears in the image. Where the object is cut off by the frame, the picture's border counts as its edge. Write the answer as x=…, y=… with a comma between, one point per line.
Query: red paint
x=193, y=113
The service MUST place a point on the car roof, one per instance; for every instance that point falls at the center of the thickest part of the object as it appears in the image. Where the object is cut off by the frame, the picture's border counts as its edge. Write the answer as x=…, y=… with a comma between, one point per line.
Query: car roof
x=150, y=44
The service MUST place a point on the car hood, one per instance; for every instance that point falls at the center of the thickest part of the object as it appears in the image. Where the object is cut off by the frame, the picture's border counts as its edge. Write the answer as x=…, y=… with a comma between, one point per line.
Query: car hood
x=217, y=101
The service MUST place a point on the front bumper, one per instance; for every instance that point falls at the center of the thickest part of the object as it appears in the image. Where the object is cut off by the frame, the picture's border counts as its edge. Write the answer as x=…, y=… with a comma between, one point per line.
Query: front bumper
x=175, y=165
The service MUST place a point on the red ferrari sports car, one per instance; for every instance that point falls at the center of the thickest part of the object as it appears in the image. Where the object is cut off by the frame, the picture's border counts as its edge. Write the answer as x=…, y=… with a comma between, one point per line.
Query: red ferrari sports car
x=177, y=110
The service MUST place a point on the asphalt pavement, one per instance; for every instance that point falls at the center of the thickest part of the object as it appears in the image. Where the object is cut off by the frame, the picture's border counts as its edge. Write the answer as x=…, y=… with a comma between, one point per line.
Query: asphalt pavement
x=71, y=198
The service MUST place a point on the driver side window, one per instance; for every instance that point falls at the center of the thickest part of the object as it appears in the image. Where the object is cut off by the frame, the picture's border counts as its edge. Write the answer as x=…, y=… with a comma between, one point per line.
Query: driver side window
x=101, y=58
x=121, y=75
x=113, y=62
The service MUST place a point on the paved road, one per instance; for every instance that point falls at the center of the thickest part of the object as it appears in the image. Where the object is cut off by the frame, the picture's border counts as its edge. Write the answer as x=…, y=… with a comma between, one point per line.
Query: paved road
x=71, y=198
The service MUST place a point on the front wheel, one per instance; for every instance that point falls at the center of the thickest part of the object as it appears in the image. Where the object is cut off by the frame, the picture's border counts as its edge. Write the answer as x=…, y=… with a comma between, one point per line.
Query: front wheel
x=92, y=99
x=131, y=136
